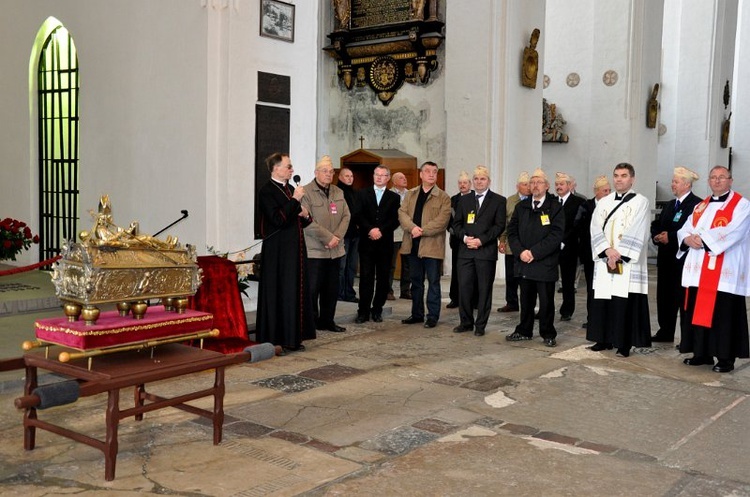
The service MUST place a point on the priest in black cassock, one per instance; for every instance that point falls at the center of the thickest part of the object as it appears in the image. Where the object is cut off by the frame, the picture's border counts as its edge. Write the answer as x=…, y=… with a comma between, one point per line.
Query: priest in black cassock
x=284, y=314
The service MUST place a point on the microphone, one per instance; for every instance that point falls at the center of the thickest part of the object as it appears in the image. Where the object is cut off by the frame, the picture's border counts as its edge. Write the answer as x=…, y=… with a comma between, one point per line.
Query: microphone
x=296, y=179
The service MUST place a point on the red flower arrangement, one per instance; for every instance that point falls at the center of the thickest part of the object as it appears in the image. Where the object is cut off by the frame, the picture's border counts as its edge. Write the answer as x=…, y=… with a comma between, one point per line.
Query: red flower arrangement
x=15, y=237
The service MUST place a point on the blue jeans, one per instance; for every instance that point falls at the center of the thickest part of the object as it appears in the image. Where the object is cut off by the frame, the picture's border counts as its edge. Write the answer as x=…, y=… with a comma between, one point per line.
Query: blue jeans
x=419, y=268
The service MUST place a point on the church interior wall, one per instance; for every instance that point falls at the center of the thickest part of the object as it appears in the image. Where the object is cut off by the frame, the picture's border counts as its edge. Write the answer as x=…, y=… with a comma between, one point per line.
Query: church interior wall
x=739, y=137
x=142, y=109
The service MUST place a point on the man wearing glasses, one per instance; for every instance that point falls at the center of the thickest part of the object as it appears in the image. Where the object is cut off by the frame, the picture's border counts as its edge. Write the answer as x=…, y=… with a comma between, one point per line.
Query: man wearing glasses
x=715, y=237
x=377, y=219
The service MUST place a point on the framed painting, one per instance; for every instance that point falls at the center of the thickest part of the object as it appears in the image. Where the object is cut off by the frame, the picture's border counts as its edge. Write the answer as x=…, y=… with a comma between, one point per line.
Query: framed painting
x=277, y=20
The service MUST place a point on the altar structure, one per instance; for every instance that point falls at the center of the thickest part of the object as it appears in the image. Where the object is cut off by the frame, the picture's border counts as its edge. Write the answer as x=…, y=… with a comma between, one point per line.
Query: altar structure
x=363, y=162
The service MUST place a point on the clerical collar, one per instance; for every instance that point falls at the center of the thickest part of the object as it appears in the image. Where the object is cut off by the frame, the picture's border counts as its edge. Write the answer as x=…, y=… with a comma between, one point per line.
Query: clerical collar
x=282, y=183
x=720, y=198
x=620, y=196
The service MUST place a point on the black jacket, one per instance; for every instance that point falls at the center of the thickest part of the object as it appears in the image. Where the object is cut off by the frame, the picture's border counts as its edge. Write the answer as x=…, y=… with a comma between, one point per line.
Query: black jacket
x=669, y=221
x=371, y=215
x=350, y=195
x=526, y=232
x=488, y=223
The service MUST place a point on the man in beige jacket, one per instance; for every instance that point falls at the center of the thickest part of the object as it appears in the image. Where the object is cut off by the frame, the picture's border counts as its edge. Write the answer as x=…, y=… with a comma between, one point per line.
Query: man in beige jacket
x=324, y=238
x=424, y=216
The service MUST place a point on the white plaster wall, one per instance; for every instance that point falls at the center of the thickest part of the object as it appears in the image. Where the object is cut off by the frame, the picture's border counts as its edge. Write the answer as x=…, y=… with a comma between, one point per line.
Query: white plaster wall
x=606, y=124
x=167, y=110
x=519, y=108
x=239, y=53
x=699, y=49
x=142, y=108
x=739, y=138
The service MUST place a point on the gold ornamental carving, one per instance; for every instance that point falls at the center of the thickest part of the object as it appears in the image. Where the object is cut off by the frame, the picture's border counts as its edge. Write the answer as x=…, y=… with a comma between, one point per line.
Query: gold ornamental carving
x=113, y=265
x=382, y=44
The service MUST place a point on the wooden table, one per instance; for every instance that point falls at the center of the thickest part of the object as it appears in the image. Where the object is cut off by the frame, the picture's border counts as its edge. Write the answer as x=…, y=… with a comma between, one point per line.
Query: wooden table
x=110, y=373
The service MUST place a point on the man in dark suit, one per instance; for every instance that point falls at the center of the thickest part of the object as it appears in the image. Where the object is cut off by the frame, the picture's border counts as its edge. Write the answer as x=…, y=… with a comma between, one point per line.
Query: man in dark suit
x=479, y=220
x=571, y=204
x=535, y=233
x=669, y=293
x=601, y=190
x=377, y=218
x=464, y=188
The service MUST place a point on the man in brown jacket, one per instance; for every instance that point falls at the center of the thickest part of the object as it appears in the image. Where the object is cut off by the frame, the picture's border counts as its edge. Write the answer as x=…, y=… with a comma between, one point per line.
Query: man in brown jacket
x=324, y=238
x=424, y=216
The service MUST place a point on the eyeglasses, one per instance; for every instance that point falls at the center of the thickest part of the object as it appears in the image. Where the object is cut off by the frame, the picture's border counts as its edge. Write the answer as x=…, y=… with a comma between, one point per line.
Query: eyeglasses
x=382, y=175
x=718, y=178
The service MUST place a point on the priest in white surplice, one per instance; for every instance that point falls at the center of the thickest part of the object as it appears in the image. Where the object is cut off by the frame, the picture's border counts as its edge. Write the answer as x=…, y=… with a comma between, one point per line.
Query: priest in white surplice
x=619, y=235
x=715, y=237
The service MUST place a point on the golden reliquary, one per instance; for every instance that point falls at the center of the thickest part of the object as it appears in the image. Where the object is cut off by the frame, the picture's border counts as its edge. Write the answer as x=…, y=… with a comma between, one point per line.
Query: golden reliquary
x=123, y=267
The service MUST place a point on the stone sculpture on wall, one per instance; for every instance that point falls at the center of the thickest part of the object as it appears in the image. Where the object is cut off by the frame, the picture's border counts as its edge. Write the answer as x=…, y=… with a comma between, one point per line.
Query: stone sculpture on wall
x=552, y=124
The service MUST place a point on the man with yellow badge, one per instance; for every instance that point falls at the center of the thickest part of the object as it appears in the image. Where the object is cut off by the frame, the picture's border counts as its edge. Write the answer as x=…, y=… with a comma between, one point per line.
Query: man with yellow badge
x=535, y=232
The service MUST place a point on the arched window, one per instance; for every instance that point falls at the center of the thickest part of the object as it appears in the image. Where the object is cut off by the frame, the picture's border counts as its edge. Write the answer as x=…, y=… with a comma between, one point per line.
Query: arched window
x=57, y=89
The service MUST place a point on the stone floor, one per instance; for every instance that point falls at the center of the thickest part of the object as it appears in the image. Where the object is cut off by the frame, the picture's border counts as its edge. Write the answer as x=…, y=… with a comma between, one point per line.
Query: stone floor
x=390, y=409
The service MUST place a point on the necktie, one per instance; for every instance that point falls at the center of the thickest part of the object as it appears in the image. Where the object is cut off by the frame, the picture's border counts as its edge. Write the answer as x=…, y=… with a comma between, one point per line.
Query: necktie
x=479, y=202
x=378, y=195
x=561, y=200
x=536, y=204
x=677, y=205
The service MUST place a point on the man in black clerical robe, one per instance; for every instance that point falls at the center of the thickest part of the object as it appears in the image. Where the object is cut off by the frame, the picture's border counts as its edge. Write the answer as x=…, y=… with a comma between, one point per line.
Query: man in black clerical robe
x=284, y=314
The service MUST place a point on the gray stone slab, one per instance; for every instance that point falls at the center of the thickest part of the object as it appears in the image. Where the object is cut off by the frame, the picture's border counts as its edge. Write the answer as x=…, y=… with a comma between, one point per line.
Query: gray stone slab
x=399, y=441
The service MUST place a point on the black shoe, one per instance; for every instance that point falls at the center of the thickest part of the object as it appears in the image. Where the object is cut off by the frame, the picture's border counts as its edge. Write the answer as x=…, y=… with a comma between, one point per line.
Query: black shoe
x=430, y=323
x=623, y=352
x=452, y=305
x=479, y=332
x=377, y=317
x=412, y=320
x=699, y=361
x=297, y=348
x=536, y=315
x=406, y=295
x=507, y=308
x=559, y=290
x=463, y=327
x=516, y=337
x=723, y=367
x=361, y=318
x=335, y=328
x=550, y=342
x=599, y=346
x=661, y=338
x=353, y=300
x=585, y=325
x=565, y=317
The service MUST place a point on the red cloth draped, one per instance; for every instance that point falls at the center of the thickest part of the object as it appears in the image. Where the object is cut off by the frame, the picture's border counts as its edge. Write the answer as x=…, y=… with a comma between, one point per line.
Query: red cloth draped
x=111, y=329
x=220, y=295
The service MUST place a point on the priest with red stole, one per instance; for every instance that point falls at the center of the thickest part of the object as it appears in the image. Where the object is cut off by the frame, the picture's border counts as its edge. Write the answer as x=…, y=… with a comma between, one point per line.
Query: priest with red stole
x=715, y=237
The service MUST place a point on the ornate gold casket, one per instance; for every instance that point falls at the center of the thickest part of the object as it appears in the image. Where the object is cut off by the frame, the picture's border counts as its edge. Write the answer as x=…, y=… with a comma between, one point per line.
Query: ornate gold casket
x=121, y=266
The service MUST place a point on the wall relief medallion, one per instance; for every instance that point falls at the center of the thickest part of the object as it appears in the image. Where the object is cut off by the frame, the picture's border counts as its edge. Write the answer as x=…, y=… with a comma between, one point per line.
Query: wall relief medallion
x=546, y=81
x=573, y=79
x=610, y=78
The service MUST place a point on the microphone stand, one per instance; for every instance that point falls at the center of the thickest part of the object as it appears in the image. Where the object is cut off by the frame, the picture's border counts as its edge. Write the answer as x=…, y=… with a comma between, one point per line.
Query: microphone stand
x=184, y=215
